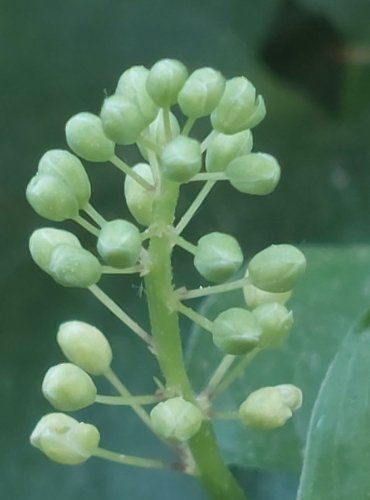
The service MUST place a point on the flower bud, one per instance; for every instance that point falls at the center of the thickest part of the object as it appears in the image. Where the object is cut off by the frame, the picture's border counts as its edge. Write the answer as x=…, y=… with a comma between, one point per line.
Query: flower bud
x=122, y=119
x=43, y=242
x=275, y=321
x=85, y=346
x=224, y=148
x=68, y=167
x=236, y=331
x=74, y=266
x=68, y=388
x=254, y=296
x=119, y=243
x=176, y=419
x=238, y=108
x=181, y=159
x=254, y=173
x=139, y=200
x=165, y=80
x=277, y=268
x=270, y=407
x=291, y=395
x=132, y=85
x=156, y=133
x=218, y=257
x=201, y=92
x=85, y=136
x=52, y=198
x=64, y=439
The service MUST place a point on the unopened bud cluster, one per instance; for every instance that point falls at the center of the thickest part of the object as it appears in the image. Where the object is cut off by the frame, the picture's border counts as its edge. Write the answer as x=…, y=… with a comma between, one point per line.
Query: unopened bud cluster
x=139, y=112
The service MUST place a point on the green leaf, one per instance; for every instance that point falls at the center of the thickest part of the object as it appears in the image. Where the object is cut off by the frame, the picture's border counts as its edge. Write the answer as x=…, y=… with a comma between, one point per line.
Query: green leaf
x=333, y=292
x=338, y=445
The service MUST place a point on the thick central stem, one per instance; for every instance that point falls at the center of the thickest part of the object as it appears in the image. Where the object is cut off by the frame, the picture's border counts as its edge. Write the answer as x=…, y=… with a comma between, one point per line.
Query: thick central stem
x=212, y=472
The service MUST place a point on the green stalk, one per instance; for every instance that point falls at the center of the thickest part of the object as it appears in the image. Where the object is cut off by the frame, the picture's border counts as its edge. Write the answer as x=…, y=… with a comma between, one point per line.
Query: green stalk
x=210, y=467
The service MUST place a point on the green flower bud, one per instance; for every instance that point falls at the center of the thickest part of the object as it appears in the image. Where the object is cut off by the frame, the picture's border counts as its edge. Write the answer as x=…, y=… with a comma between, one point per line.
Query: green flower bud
x=43, y=242
x=64, y=439
x=85, y=346
x=86, y=137
x=236, y=331
x=277, y=268
x=119, y=243
x=122, y=119
x=67, y=166
x=165, y=80
x=238, y=108
x=73, y=266
x=181, y=159
x=255, y=297
x=291, y=395
x=224, y=148
x=68, y=388
x=270, y=407
x=218, y=256
x=255, y=173
x=276, y=322
x=139, y=200
x=52, y=198
x=132, y=85
x=201, y=92
x=156, y=133
x=176, y=419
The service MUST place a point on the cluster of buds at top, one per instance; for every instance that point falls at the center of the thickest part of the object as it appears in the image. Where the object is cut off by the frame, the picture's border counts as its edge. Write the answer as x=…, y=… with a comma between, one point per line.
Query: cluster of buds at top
x=139, y=112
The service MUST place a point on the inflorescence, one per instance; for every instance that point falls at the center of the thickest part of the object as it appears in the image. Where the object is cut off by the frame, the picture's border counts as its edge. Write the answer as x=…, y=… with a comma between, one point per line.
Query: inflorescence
x=139, y=112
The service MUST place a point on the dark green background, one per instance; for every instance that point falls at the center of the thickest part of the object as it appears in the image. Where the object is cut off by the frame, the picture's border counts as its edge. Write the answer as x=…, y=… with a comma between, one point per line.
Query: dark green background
x=311, y=61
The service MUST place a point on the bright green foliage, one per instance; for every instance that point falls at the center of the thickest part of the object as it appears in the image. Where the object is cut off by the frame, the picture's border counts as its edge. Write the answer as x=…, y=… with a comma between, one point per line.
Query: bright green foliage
x=65, y=440
x=68, y=388
x=85, y=346
x=119, y=243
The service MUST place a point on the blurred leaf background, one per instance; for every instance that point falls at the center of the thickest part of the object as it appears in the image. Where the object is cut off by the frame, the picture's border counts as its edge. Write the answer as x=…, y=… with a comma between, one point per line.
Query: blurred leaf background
x=311, y=61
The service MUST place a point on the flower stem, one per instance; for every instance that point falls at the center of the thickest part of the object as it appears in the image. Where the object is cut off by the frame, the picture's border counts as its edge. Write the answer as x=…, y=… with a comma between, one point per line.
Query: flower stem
x=95, y=215
x=131, y=460
x=120, y=313
x=87, y=225
x=125, y=393
x=184, y=294
x=131, y=173
x=198, y=200
x=127, y=401
x=210, y=467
